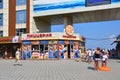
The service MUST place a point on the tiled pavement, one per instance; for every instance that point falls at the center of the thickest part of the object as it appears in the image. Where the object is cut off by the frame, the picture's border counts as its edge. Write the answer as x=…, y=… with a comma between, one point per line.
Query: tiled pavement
x=56, y=70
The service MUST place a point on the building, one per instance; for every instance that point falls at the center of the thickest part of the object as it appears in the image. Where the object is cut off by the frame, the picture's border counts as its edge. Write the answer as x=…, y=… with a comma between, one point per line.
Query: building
x=53, y=45
x=13, y=22
x=30, y=16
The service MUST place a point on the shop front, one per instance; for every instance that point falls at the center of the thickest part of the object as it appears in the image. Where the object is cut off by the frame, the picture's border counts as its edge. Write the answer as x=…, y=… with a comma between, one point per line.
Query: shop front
x=56, y=45
x=8, y=46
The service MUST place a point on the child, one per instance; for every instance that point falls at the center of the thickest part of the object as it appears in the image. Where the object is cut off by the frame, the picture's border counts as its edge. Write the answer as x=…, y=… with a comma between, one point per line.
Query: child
x=17, y=57
x=104, y=58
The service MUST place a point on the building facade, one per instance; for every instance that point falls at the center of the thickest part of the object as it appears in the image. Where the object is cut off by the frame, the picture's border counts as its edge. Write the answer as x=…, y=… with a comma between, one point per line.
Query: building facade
x=17, y=19
x=14, y=21
x=31, y=16
x=14, y=17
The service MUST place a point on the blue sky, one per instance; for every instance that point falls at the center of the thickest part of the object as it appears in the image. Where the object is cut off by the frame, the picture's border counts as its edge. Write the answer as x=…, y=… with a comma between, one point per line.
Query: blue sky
x=95, y=30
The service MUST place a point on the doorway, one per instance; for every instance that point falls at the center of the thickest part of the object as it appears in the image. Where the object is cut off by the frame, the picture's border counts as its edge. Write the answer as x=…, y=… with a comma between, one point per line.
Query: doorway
x=68, y=48
x=41, y=48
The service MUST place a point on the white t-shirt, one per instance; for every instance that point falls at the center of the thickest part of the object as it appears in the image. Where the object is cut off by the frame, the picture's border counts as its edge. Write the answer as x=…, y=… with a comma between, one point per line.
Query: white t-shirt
x=17, y=54
x=104, y=57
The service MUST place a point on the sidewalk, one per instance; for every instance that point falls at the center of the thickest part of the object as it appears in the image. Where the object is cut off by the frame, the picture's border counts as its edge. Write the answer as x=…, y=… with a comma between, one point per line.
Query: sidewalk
x=56, y=70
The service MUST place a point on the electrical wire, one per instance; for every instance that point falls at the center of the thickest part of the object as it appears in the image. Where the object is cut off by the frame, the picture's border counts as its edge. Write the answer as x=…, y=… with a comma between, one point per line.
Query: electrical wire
x=101, y=38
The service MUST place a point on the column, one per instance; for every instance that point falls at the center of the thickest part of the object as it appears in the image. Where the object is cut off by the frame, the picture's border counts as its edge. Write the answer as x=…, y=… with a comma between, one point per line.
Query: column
x=42, y=25
x=12, y=18
x=68, y=20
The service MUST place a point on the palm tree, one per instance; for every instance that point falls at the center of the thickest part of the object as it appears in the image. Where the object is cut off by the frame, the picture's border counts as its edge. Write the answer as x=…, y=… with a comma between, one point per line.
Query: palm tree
x=118, y=45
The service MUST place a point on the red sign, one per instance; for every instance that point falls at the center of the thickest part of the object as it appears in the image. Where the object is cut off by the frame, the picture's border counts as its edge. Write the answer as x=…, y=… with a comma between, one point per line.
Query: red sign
x=39, y=35
x=66, y=36
x=5, y=39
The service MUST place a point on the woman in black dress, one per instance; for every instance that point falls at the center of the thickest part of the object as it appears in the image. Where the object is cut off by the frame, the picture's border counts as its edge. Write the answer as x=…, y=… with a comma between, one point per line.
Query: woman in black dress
x=97, y=58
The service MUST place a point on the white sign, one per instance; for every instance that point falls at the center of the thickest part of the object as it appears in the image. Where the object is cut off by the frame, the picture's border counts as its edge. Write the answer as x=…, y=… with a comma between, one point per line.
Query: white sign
x=15, y=39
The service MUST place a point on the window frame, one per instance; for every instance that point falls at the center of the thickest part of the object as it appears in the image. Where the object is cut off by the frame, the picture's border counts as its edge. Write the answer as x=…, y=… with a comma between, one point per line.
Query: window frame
x=1, y=19
x=21, y=16
x=1, y=4
x=20, y=31
x=20, y=2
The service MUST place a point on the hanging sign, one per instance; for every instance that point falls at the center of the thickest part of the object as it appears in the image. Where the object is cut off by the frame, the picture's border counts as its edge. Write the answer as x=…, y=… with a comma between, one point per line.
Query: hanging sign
x=40, y=35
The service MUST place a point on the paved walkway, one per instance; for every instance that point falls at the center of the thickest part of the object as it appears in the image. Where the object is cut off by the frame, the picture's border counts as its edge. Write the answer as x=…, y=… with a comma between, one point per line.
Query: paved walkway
x=56, y=70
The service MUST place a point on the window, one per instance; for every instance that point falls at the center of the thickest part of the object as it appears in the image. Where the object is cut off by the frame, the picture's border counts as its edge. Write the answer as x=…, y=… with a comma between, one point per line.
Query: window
x=1, y=19
x=1, y=4
x=21, y=16
x=20, y=2
x=1, y=33
x=19, y=32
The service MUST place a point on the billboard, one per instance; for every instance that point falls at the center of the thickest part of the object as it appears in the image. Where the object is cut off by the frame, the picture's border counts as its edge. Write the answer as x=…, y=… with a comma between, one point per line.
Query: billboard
x=45, y=5
x=97, y=2
x=51, y=7
x=115, y=1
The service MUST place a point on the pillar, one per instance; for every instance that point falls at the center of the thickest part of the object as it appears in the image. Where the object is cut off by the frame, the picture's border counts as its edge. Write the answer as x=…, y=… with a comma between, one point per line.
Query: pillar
x=28, y=16
x=68, y=20
x=42, y=25
x=12, y=18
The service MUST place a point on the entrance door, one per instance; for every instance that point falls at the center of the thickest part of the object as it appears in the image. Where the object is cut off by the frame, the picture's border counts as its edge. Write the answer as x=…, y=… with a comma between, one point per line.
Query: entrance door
x=43, y=48
x=68, y=48
x=68, y=51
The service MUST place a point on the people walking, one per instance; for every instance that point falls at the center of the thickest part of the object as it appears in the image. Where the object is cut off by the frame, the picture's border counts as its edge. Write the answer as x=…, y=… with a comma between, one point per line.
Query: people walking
x=97, y=58
x=17, y=57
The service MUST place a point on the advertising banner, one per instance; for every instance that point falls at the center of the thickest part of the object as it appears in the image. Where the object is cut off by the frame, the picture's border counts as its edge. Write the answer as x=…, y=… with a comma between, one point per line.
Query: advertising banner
x=43, y=5
x=50, y=7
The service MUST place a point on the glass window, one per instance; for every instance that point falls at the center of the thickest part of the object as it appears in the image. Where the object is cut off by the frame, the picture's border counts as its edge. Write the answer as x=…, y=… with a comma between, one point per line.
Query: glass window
x=1, y=4
x=1, y=19
x=19, y=32
x=1, y=33
x=21, y=16
x=35, y=47
x=20, y=2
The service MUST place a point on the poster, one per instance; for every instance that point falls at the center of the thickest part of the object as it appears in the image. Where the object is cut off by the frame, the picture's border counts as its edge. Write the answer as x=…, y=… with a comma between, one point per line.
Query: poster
x=43, y=5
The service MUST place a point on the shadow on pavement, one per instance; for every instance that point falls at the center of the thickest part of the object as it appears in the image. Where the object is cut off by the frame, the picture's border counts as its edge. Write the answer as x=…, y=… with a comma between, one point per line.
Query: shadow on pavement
x=90, y=68
x=118, y=61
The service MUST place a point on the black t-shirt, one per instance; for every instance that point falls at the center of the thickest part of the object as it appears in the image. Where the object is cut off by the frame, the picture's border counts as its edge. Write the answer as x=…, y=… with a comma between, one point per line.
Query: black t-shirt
x=96, y=55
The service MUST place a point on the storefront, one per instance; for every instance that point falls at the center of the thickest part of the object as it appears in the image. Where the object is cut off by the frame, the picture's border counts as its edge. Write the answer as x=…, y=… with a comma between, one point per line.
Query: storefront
x=8, y=46
x=56, y=45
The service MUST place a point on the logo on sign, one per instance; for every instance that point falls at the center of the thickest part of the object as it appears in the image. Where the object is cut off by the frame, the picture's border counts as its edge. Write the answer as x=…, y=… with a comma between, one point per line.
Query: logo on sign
x=69, y=30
